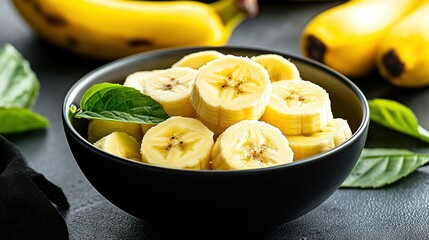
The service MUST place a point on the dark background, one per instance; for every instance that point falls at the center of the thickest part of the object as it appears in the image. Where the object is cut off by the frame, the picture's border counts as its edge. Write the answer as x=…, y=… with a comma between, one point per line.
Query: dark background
x=399, y=211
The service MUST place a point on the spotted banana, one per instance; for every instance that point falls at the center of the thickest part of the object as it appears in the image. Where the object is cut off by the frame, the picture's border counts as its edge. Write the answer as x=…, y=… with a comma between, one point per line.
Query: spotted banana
x=110, y=29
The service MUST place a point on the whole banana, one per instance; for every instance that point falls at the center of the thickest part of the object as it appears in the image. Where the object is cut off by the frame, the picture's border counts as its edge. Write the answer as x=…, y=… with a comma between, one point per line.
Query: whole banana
x=403, y=56
x=110, y=29
x=346, y=37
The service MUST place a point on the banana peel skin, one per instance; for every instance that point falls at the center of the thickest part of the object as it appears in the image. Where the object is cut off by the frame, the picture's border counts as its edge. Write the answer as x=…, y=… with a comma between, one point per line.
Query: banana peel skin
x=403, y=55
x=346, y=37
x=111, y=29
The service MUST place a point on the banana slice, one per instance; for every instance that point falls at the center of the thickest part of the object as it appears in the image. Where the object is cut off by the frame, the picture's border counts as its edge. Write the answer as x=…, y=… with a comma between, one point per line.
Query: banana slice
x=335, y=133
x=98, y=129
x=172, y=88
x=146, y=127
x=250, y=144
x=217, y=130
x=178, y=142
x=121, y=145
x=135, y=80
x=298, y=107
x=198, y=59
x=230, y=89
x=278, y=67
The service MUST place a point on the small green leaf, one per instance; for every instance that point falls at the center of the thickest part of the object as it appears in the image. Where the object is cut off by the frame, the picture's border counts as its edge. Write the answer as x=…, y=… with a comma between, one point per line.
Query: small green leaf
x=19, y=85
x=379, y=167
x=396, y=116
x=14, y=120
x=115, y=102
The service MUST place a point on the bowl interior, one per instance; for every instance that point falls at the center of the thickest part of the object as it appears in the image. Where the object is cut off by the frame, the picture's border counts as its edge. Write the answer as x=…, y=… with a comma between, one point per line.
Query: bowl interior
x=346, y=99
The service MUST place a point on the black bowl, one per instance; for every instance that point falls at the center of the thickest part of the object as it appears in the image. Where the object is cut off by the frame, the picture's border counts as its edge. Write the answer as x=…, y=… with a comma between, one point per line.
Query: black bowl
x=242, y=201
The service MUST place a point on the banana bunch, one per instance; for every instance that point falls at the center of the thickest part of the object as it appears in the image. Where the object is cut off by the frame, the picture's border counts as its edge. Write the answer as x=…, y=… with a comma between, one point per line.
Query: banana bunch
x=403, y=54
x=110, y=29
x=346, y=37
x=226, y=113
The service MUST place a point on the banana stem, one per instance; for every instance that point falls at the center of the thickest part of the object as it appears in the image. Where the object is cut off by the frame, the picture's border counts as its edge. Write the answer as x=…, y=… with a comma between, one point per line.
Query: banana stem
x=232, y=12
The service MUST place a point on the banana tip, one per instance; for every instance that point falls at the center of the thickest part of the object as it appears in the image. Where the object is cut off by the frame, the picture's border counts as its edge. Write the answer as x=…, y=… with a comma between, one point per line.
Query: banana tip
x=315, y=48
x=392, y=63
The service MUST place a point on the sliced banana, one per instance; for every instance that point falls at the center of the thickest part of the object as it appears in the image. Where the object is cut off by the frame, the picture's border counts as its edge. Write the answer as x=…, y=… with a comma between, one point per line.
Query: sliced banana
x=121, y=145
x=178, y=142
x=250, y=144
x=230, y=89
x=278, y=67
x=217, y=130
x=98, y=129
x=135, y=80
x=335, y=133
x=298, y=107
x=172, y=88
x=146, y=127
x=198, y=59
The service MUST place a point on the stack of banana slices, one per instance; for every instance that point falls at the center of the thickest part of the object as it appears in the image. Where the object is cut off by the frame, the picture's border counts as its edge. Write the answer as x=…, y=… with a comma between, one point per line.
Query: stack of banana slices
x=226, y=113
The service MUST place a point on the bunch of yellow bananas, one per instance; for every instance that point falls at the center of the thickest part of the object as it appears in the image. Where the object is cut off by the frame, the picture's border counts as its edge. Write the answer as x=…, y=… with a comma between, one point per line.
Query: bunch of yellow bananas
x=109, y=29
x=361, y=35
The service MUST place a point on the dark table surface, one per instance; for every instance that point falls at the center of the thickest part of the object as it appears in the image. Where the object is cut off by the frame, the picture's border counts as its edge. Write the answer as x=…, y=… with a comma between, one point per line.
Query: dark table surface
x=399, y=211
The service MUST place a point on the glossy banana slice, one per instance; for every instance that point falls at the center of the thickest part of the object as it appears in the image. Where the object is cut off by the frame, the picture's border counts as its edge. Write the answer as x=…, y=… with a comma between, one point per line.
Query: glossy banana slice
x=335, y=133
x=172, y=89
x=98, y=129
x=121, y=145
x=217, y=130
x=146, y=127
x=135, y=80
x=298, y=107
x=278, y=67
x=230, y=89
x=250, y=144
x=198, y=59
x=178, y=142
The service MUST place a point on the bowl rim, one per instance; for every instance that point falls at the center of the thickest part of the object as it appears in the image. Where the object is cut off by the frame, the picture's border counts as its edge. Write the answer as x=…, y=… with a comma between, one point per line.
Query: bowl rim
x=364, y=124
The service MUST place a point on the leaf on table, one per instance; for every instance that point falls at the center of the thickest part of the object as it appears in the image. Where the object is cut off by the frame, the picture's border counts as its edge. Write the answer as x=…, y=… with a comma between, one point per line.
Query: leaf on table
x=396, y=116
x=379, y=167
x=15, y=120
x=19, y=86
x=115, y=102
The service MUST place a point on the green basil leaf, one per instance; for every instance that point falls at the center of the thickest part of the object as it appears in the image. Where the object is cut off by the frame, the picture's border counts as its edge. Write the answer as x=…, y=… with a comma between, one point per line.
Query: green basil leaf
x=396, y=116
x=19, y=86
x=14, y=120
x=115, y=102
x=379, y=167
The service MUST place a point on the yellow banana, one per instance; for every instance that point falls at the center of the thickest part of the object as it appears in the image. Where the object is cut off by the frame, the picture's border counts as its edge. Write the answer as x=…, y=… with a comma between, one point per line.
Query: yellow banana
x=346, y=37
x=109, y=29
x=403, y=56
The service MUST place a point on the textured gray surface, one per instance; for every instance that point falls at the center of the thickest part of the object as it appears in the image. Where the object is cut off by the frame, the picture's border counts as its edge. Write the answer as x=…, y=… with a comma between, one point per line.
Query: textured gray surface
x=399, y=211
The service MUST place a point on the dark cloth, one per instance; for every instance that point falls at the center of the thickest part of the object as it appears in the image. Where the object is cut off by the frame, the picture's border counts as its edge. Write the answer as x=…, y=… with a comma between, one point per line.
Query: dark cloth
x=31, y=207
